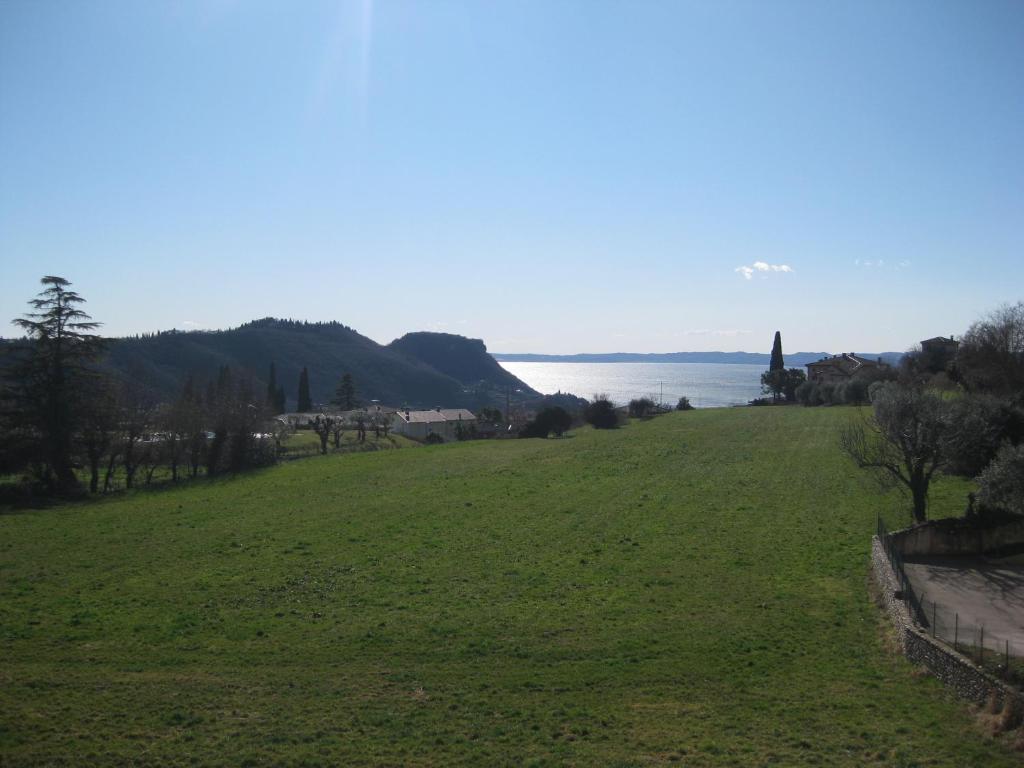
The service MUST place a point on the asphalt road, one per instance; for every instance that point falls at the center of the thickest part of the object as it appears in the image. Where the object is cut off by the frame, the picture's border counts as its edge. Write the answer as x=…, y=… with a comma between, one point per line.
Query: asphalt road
x=969, y=593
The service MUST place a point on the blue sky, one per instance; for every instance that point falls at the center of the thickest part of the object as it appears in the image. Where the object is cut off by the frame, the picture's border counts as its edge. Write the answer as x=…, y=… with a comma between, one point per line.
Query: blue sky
x=548, y=176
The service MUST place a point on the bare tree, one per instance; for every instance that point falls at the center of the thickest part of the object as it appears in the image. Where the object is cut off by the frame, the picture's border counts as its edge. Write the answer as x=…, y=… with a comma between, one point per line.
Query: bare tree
x=99, y=426
x=337, y=430
x=903, y=441
x=991, y=355
x=323, y=425
x=136, y=421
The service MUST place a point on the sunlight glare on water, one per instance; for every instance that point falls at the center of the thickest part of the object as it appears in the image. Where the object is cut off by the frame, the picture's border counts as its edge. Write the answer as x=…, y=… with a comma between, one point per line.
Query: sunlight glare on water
x=708, y=385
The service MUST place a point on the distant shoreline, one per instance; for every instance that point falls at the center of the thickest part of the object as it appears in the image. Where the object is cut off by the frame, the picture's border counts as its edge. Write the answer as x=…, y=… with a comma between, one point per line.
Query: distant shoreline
x=797, y=359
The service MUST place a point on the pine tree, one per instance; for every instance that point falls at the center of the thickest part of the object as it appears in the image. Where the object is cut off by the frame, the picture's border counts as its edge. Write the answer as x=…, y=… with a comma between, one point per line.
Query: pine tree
x=345, y=394
x=777, y=363
x=305, y=402
x=45, y=382
x=280, y=401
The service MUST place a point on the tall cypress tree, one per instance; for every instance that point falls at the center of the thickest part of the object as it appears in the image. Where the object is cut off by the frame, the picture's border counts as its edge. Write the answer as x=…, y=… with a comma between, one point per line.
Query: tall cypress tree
x=272, y=389
x=776, y=363
x=305, y=402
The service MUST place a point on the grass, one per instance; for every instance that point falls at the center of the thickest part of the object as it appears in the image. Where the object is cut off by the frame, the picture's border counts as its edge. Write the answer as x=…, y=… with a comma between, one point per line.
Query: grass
x=689, y=590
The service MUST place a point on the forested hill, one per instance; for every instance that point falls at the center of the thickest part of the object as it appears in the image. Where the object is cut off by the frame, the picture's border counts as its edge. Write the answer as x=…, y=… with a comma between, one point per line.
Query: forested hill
x=463, y=359
x=390, y=374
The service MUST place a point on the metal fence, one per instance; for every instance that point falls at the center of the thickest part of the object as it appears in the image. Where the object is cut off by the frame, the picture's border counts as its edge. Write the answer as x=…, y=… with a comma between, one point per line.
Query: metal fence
x=996, y=654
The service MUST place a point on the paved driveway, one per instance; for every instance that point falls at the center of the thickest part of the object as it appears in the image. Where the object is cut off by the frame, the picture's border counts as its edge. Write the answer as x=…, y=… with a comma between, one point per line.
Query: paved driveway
x=970, y=593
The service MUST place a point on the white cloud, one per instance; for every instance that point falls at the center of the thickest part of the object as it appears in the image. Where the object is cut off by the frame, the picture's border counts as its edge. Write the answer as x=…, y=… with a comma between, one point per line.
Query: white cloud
x=880, y=264
x=761, y=266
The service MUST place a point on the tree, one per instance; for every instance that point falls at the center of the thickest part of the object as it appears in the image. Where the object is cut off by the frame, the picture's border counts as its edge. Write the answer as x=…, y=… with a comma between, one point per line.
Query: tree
x=794, y=378
x=305, y=404
x=903, y=442
x=641, y=407
x=600, y=413
x=218, y=414
x=776, y=363
x=782, y=383
x=136, y=416
x=99, y=426
x=773, y=383
x=345, y=394
x=553, y=419
x=274, y=393
x=46, y=380
x=486, y=414
x=337, y=430
x=991, y=354
x=684, y=404
x=775, y=379
x=190, y=416
x=322, y=425
x=1001, y=485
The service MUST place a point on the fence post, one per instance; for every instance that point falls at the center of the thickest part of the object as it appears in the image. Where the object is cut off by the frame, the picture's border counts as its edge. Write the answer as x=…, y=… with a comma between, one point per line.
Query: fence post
x=981, y=646
x=1007, y=658
x=934, y=611
x=956, y=631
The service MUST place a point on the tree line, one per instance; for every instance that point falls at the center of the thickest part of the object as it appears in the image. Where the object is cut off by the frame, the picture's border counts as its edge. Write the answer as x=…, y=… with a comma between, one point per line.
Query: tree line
x=67, y=423
x=961, y=414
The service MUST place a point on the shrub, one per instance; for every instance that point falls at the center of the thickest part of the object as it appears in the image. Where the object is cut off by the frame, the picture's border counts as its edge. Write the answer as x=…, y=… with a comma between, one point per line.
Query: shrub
x=808, y=394
x=600, y=413
x=1001, y=485
x=433, y=439
x=549, y=420
x=641, y=407
x=980, y=424
x=855, y=391
x=684, y=404
x=873, y=389
x=827, y=393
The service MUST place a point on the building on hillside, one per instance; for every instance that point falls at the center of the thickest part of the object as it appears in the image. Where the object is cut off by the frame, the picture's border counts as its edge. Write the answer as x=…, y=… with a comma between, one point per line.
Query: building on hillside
x=840, y=368
x=446, y=423
x=937, y=353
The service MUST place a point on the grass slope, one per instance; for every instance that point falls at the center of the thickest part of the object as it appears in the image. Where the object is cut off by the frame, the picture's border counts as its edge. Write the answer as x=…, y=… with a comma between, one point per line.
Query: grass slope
x=690, y=589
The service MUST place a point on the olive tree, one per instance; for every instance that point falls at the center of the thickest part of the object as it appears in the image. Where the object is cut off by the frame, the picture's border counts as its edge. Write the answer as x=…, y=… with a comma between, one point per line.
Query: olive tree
x=1001, y=485
x=904, y=441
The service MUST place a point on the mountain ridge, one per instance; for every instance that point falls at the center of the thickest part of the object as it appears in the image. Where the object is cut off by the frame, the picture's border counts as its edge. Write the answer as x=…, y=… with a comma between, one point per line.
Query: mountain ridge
x=396, y=374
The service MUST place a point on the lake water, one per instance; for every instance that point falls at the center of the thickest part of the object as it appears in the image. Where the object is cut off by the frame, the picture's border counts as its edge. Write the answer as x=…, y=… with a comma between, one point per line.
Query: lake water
x=708, y=385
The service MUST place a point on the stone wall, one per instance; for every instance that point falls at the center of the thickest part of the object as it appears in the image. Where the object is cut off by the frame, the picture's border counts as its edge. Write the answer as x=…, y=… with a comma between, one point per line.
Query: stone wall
x=952, y=668
x=940, y=538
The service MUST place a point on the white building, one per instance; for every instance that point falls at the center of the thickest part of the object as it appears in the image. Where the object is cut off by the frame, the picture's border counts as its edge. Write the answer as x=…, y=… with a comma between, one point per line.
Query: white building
x=444, y=422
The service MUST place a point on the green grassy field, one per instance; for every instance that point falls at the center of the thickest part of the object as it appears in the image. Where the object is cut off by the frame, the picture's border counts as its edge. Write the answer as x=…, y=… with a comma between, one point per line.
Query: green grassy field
x=690, y=590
